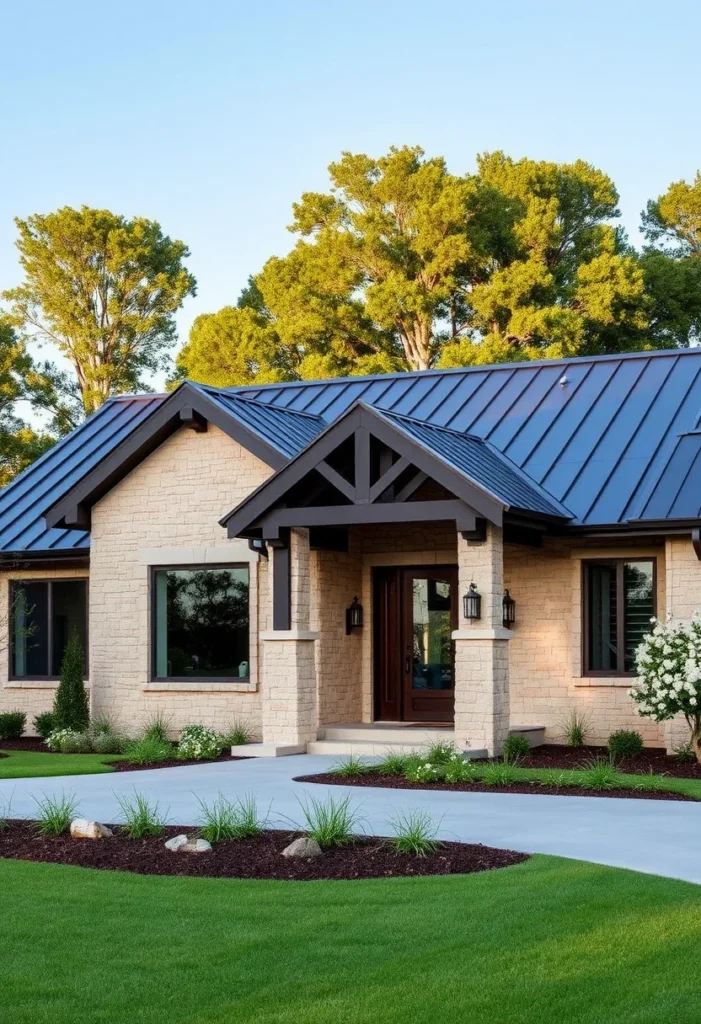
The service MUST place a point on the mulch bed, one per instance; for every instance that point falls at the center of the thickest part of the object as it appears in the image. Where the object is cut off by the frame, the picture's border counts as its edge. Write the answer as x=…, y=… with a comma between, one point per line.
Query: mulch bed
x=372, y=779
x=34, y=745
x=248, y=858
x=652, y=759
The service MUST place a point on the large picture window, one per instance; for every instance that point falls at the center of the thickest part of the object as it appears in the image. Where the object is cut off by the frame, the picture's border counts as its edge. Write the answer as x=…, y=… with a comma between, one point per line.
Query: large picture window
x=43, y=614
x=619, y=601
x=200, y=623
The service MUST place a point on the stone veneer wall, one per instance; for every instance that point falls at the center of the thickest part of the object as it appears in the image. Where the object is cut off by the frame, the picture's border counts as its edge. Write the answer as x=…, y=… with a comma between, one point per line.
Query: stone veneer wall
x=30, y=696
x=683, y=598
x=337, y=580
x=166, y=512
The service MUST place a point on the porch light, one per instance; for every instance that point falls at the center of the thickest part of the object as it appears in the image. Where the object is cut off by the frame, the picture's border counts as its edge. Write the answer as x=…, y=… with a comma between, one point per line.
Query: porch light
x=354, y=616
x=508, y=610
x=472, y=603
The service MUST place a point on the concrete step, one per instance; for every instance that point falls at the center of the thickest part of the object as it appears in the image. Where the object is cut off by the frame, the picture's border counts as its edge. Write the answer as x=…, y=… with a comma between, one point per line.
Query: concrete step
x=417, y=736
x=535, y=734
x=377, y=747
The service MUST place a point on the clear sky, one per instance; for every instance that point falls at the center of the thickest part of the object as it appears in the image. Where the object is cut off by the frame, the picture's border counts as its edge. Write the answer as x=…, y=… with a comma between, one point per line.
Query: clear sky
x=213, y=117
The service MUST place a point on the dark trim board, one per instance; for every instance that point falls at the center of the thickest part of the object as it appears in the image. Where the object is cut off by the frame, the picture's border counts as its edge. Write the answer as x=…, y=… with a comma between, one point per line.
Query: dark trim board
x=381, y=512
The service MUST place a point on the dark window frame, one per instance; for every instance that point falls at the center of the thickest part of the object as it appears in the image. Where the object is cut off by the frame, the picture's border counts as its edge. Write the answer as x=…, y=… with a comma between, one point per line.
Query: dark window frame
x=153, y=677
x=619, y=672
x=49, y=581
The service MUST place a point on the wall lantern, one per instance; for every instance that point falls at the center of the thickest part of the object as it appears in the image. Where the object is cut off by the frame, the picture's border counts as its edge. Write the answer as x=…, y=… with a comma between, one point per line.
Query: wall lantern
x=354, y=616
x=472, y=603
x=508, y=610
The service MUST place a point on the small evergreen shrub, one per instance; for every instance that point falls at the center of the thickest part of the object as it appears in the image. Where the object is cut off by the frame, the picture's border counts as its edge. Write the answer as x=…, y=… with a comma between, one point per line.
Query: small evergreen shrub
x=71, y=704
x=12, y=725
x=683, y=753
x=44, y=724
x=625, y=743
x=414, y=832
x=197, y=741
x=516, y=748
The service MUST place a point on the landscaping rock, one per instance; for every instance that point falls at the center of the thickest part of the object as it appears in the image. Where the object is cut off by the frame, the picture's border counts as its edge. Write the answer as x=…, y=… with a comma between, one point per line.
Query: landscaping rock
x=81, y=828
x=302, y=849
x=188, y=844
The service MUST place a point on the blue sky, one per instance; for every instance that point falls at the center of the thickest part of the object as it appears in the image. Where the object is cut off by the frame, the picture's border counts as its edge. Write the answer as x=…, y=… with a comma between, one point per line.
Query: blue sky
x=213, y=117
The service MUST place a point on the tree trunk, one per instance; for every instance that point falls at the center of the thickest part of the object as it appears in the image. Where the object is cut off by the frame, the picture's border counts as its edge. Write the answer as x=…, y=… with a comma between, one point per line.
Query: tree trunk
x=695, y=724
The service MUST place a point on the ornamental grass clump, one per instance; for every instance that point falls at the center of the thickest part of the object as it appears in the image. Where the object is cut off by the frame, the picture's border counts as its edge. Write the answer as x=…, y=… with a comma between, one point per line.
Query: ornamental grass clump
x=668, y=683
x=148, y=750
x=55, y=814
x=500, y=774
x=600, y=773
x=459, y=769
x=396, y=763
x=350, y=767
x=230, y=819
x=331, y=822
x=441, y=753
x=238, y=734
x=575, y=729
x=197, y=742
x=415, y=833
x=141, y=819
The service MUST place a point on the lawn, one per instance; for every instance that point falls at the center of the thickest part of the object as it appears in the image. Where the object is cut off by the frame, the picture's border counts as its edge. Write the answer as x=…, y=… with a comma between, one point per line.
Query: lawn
x=575, y=776
x=551, y=940
x=22, y=764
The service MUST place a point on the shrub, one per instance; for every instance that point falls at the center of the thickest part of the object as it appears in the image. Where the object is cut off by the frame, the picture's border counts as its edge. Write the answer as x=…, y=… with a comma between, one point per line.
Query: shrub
x=601, y=774
x=147, y=750
x=331, y=822
x=395, y=763
x=516, y=748
x=107, y=743
x=424, y=771
x=226, y=819
x=141, y=818
x=68, y=741
x=625, y=743
x=684, y=752
x=459, y=770
x=441, y=753
x=237, y=734
x=44, y=724
x=55, y=814
x=71, y=704
x=669, y=675
x=102, y=723
x=156, y=727
x=414, y=832
x=350, y=767
x=576, y=727
x=503, y=774
x=12, y=725
x=197, y=741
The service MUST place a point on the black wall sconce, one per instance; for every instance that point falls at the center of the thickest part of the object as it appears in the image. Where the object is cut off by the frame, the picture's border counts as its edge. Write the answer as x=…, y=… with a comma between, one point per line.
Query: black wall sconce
x=354, y=616
x=508, y=610
x=472, y=603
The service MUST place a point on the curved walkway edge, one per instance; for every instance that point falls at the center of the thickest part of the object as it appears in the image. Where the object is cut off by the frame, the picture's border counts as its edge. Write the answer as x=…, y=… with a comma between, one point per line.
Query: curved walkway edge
x=653, y=836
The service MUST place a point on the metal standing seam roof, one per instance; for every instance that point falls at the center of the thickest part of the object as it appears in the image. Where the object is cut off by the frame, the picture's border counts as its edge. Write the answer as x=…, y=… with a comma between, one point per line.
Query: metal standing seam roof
x=603, y=437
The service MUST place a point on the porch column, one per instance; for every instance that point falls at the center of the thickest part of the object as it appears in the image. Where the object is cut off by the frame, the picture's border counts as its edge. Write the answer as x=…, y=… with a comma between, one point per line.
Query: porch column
x=289, y=712
x=481, y=648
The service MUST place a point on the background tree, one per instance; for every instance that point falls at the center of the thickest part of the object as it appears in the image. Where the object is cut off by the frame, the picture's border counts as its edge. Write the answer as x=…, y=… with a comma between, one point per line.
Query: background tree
x=104, y=291
x=19, y=443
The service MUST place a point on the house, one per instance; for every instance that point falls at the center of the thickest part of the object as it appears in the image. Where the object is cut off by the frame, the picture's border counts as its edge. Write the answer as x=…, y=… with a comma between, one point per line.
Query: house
x=478, y=550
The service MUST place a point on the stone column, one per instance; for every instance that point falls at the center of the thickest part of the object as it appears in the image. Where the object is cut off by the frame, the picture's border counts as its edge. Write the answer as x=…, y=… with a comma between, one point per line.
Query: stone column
x=481, y=649
x=288, y=698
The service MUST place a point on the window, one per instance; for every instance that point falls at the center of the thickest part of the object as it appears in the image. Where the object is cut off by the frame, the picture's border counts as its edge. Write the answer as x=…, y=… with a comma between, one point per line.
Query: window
x=43, y=615
x=619, y=601
x=200, y=623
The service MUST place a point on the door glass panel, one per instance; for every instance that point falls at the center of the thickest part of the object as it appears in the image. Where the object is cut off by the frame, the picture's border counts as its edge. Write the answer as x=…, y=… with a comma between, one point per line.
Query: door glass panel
x=431, y=628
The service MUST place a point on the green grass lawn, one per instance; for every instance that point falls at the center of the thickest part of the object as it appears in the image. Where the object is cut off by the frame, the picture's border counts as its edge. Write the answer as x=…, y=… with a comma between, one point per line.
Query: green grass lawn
x=21, y=764
x=691, y=787
x=552, y=940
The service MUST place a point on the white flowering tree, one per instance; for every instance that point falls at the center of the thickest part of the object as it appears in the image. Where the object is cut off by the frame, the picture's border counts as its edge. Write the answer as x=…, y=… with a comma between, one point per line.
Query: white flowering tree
x=669, y=675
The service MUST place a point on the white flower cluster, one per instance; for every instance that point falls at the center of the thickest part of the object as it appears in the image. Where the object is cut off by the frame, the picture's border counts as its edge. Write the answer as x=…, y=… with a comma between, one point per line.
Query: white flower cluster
x=669, y=671
x=197, y=741
x=60, y=738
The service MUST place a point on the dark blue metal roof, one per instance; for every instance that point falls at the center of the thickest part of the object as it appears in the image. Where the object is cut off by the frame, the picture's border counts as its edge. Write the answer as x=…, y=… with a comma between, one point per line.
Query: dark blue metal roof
x=24, y=500
x=598, y=443
x=483, y=464
x=610, y=438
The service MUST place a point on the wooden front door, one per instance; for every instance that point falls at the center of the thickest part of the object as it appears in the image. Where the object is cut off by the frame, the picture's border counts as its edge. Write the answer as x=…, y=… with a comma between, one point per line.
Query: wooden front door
x=415, y=612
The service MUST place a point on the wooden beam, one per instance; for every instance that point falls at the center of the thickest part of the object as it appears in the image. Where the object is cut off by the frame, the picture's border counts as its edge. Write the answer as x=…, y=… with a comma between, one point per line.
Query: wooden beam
x=362, y=465
x=376, y=512
x=388, y=478
x=336, y=480
x=696, y=542
x=282, y=588
x=412, y=485
x=189, y=417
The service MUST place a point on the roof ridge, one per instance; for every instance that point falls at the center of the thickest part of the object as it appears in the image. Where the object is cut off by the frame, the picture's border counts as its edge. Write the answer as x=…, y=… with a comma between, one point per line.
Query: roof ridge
x=278, y=408
x=432, y=426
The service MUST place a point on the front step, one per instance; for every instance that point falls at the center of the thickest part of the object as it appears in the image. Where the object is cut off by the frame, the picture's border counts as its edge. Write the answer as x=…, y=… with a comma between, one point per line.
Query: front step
x=377, y=740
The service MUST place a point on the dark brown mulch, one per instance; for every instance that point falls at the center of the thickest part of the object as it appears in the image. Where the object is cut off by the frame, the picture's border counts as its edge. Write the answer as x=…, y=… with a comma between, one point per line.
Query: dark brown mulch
x=532, y=788
x=248, y=858
x=30, y=744
x=652, y=759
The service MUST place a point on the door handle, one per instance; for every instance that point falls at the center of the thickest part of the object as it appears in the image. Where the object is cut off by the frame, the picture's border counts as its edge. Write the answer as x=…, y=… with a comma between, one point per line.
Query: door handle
x=407, y=665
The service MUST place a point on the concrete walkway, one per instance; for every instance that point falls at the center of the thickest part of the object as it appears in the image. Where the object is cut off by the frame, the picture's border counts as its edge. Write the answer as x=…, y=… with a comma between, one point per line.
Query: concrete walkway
x=655, y=836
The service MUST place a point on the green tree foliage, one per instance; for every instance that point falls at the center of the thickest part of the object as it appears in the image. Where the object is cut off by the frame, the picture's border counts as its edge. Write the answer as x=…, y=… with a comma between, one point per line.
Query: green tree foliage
x=19, y=444
x=104, y=291
x=402, y=265
x=71, y=708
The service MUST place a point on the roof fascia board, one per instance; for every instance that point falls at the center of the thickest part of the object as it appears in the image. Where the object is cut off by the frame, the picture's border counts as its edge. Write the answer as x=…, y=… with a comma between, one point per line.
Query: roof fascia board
x=150, y=433
x=368, y=513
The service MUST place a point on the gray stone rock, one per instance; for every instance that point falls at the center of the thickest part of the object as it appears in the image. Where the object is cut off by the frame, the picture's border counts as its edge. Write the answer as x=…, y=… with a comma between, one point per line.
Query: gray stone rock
x=302, y=849
x=188, y=844
x=81, y=828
